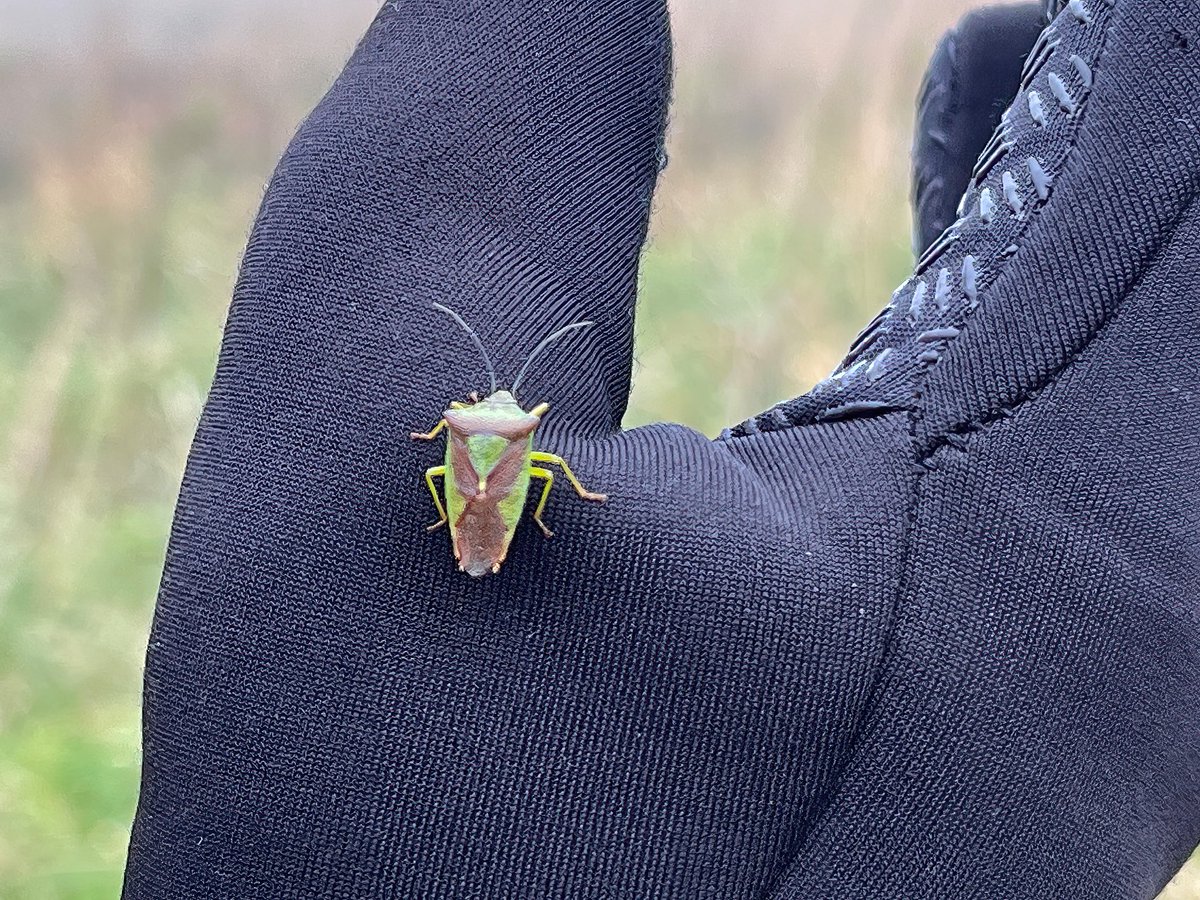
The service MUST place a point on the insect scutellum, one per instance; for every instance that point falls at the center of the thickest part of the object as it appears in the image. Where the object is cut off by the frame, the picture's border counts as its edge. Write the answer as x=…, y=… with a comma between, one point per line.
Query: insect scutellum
x=489, y=464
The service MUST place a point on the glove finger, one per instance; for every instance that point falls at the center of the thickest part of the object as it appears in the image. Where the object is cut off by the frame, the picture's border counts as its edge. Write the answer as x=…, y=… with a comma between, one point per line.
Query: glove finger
x=972, y=78
x=498, y=158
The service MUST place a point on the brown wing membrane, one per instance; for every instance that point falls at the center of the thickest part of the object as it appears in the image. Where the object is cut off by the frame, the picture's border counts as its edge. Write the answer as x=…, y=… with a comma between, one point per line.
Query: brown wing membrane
x=480, y=537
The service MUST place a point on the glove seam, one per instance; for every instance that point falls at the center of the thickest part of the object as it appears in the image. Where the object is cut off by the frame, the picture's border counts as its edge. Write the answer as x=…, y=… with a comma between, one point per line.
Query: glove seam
x=955, y=436
x=922, y=458
x=1069, y=156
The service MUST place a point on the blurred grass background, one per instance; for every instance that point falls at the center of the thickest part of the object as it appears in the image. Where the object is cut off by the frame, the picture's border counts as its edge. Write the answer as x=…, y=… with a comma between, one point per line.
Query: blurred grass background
x=136, y=140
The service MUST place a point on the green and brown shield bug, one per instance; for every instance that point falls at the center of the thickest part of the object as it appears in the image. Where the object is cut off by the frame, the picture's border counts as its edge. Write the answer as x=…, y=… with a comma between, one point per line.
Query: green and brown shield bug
x=490, y=462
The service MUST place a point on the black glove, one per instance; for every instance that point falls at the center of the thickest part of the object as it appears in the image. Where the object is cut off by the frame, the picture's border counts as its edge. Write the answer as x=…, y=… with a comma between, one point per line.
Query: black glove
x=931, y=630
x=973, y=76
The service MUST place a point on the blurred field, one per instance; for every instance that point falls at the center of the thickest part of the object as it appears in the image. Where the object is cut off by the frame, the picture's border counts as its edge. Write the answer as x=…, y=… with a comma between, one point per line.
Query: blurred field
x=135, y=144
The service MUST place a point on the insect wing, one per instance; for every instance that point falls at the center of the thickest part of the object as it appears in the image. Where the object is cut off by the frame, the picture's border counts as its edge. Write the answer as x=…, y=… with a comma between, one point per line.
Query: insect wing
x=482, y=522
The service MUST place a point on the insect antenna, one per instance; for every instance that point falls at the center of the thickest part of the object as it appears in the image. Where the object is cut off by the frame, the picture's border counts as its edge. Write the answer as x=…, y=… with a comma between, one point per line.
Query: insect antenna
x=475, y=338
x=546, y=342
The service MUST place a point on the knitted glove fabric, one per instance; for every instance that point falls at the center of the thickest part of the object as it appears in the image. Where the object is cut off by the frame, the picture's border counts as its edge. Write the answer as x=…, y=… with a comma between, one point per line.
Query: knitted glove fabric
x=930, y=630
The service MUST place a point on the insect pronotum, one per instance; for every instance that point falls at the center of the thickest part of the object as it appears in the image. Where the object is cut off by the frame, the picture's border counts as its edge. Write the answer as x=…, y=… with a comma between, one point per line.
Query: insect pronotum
x=490, y=462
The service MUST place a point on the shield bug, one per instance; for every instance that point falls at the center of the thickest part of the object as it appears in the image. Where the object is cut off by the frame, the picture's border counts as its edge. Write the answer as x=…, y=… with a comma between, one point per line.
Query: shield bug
x=490, y=463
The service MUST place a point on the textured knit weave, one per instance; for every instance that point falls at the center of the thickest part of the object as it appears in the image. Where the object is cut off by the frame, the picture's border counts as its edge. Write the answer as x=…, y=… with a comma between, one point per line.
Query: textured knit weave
x=930, y=631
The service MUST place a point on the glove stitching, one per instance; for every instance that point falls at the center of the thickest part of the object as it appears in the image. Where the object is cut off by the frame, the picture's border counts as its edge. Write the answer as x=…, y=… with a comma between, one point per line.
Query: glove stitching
x=957, y=435
x=998, y=147
x=923, y=461
x=871, y=382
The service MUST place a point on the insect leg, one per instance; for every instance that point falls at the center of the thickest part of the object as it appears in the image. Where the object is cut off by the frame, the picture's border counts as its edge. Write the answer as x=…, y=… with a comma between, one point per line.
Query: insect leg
x=430, y=474
x=548, y=477
x=540, y=410
x=551, y=459
x=429, y=436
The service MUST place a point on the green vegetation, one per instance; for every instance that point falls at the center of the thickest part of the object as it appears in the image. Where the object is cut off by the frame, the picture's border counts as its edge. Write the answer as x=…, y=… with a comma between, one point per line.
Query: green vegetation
x=128, y=180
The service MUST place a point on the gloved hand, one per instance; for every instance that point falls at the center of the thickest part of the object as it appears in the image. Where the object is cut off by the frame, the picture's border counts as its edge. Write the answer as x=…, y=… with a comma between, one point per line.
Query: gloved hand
x=932, y=630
